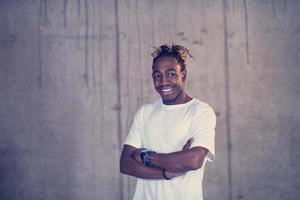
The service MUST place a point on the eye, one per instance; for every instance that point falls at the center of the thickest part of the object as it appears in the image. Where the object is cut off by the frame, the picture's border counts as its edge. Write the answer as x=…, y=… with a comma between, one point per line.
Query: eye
x=171, y=74
x=156, y=76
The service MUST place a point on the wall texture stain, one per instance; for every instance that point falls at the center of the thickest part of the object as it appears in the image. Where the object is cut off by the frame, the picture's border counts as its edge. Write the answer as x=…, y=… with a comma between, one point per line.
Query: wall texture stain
x=246, y=31
x=65, y=12
x=227, y=98
x=44, y=12
x=86, y=44
x=118, y=83
x=274, y=8
x=43, y=19
x=139, y=55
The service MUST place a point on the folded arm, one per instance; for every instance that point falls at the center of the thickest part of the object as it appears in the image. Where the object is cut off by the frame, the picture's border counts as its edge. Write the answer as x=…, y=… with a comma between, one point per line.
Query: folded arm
x=176, y=163
x=129, y=166
x=181, y=161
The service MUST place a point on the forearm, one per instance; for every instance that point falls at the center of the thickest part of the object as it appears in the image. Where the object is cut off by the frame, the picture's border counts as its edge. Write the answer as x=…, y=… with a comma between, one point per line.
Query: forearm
x=180, y=161
x=130, y=167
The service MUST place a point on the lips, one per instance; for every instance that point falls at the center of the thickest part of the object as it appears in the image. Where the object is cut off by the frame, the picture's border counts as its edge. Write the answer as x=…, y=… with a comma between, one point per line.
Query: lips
x=166, y=89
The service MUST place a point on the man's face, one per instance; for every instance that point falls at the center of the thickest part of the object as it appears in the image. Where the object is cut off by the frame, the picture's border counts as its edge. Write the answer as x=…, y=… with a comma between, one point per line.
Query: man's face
x=169, y=80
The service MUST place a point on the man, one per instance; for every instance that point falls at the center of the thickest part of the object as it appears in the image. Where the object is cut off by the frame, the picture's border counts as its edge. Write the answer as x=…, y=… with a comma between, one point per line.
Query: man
x=171, y=139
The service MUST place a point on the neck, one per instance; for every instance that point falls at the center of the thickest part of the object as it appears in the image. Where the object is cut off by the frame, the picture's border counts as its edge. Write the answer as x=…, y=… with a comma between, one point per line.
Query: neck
x=181, y=99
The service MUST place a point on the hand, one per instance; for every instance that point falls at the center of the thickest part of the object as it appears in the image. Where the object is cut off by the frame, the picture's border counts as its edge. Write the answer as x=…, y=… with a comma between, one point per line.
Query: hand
x=188, y=144
x=173, y=174
x=137, y=155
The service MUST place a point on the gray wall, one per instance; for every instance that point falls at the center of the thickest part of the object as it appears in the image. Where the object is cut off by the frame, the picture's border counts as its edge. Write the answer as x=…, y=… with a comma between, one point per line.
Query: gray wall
x=74, y=72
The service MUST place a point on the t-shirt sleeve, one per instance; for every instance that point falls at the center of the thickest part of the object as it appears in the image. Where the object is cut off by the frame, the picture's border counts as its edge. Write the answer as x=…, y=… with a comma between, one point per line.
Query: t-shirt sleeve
x=203, y=130
x=134, y=136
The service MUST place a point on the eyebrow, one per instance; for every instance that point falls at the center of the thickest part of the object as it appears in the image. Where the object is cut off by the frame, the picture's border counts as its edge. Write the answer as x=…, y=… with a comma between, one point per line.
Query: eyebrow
x=168, y=70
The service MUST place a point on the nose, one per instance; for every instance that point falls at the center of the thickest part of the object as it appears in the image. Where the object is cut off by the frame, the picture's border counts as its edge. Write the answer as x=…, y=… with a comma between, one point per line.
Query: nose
x=164, y=80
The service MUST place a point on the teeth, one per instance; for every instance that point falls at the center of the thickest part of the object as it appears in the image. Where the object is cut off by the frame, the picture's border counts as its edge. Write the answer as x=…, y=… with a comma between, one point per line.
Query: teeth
x=166, y=90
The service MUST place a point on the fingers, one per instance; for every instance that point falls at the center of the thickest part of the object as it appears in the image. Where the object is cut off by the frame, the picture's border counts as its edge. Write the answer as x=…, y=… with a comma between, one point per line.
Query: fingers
x=190, y=141
x=188, y=144
x=185, y=147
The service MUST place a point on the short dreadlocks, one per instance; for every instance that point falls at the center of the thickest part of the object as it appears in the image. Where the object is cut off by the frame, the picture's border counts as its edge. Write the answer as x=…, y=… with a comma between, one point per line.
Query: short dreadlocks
x=177, y=51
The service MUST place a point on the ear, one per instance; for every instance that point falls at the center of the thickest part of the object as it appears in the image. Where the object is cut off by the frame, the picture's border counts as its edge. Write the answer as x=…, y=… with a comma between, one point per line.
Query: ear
x=184, y=74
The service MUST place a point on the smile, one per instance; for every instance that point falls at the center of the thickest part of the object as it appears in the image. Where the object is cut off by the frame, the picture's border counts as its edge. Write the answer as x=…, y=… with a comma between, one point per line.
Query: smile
x=166, y=90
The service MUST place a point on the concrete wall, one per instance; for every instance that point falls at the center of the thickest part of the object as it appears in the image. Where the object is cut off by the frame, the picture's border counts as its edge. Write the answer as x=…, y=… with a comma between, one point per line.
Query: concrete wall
x=73, y=73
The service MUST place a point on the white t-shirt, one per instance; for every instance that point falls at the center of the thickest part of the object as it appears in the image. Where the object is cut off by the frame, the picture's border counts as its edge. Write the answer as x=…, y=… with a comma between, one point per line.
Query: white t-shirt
x=165, y=129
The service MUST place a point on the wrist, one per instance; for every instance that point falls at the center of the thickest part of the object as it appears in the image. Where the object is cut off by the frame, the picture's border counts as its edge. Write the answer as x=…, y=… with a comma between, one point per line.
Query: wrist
x=146, y=157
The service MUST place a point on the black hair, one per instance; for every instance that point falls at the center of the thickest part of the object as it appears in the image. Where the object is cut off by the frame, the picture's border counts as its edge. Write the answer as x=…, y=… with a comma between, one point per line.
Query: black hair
x=177, y=51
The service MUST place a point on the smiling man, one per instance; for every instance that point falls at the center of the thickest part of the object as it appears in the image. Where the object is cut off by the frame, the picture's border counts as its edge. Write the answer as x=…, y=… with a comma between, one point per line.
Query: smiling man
x=171, y=139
